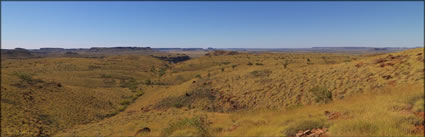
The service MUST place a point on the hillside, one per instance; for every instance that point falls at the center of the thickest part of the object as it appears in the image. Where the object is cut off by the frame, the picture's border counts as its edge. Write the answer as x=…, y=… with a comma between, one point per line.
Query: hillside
x=277, y=94
x=223, y=93
x=44, y=95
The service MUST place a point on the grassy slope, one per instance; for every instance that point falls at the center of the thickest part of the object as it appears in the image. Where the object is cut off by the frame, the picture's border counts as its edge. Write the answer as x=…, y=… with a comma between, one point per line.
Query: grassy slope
x=42, y=96
x=355, y=82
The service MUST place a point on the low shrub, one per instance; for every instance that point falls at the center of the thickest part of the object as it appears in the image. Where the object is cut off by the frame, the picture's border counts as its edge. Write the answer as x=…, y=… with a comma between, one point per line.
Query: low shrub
x=321, y=94
x=122, y=108
x=27, y=78
x=200, y=124
x=129, y=83
x=125, y=102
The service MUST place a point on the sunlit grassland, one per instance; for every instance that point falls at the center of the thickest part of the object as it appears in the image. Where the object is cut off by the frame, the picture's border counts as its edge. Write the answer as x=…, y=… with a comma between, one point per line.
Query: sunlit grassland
x=267, y=94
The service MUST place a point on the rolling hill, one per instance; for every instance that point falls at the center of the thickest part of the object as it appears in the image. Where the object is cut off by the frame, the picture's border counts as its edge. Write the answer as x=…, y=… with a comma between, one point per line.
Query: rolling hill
x=223, y=93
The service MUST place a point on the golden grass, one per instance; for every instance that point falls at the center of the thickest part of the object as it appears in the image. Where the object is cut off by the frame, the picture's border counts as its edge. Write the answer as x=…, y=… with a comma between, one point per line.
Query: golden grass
x=266, y=94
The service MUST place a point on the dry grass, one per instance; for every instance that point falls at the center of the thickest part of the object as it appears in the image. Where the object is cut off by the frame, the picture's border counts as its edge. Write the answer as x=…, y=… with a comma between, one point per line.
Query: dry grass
x=276, y=95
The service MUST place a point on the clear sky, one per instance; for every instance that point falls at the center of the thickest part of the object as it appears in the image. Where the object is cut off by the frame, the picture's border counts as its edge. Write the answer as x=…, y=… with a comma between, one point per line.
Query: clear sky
x=212, y=24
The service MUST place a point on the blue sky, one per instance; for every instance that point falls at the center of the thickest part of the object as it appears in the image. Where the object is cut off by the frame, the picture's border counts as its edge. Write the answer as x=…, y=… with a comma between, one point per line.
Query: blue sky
x=212, y=24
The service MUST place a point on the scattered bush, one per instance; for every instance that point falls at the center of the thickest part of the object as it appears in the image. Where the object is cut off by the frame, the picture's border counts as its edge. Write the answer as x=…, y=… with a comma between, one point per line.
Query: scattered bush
x=249, y=64
x=140, y=93
x=321, y=94
x=125, y=102
x=184, y=100
x=259, y=64
x=198, y=76
x=130, y=84
x=200, y=124
x=27, y=78
x=122, y=108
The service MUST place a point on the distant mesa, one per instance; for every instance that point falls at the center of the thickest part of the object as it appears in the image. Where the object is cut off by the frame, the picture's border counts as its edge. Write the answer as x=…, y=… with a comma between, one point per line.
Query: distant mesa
x=16, y=53
x=118, y=48
x=52, y=49
x=221, y=52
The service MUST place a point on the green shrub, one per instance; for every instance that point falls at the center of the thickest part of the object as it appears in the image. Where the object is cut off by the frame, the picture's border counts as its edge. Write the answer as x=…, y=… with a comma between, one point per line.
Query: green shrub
x=321, y=94
x=125, y=102
x=249, y=64
x=303, y=125
x=130, y=84
x=198, y=76
x=26, y=77
x=199, y=123
x=122, y=108
x=140, y=93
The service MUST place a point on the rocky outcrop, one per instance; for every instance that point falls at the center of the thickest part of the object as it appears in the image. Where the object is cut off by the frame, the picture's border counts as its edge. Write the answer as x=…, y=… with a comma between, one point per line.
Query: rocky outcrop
x=317, y=132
